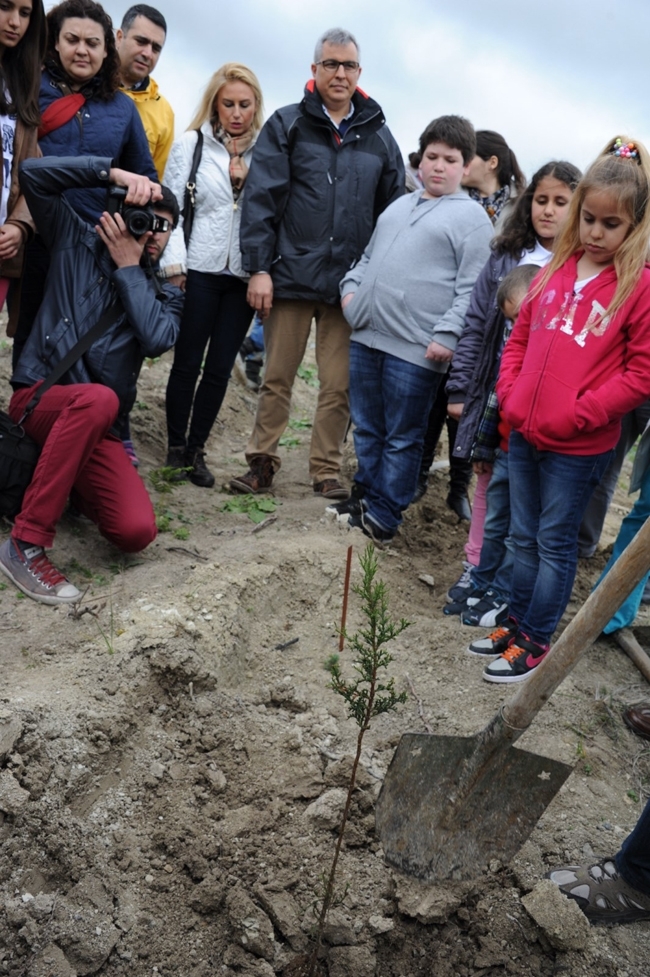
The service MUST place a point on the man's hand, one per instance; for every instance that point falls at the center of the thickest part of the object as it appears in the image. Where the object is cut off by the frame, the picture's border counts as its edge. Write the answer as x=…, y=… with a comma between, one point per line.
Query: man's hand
x=140, y=190
x=438, y=353
x=124, y=249
x=260, y=294
x=11, y=238
x=455, y=410
x=347, y=299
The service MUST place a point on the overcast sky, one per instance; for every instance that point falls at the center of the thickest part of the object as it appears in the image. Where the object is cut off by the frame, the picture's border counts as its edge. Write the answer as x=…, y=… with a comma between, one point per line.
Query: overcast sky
x=557, y=79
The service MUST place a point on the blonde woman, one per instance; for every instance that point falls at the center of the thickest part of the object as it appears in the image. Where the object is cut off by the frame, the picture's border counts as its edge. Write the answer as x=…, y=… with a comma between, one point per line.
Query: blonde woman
x=208, y=261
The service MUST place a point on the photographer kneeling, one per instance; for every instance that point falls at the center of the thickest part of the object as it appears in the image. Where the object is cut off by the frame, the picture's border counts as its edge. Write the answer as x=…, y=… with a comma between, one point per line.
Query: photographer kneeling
x=81, y=457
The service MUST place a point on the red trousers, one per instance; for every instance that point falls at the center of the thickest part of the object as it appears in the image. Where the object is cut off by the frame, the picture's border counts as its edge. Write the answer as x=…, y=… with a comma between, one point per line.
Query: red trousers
x=81, y=459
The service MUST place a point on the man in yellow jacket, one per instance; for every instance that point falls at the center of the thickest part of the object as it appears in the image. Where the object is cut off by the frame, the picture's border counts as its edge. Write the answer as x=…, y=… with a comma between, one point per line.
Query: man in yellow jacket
x=139, y=42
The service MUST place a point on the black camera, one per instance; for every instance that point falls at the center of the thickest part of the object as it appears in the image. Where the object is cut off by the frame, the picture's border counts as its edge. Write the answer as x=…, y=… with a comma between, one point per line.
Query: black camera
x=138, y=220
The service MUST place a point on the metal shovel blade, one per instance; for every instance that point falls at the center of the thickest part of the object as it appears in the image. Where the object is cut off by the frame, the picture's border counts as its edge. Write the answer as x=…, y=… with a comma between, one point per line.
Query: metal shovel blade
x=427, y=834
x=450, y=803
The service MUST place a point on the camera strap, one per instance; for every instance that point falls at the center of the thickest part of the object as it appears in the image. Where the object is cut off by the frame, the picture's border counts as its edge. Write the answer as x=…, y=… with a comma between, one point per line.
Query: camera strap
x=111, y=315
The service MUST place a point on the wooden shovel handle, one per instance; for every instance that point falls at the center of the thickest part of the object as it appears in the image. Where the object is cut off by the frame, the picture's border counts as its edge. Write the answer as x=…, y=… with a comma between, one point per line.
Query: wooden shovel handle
x=629, y=569
x=627, y=641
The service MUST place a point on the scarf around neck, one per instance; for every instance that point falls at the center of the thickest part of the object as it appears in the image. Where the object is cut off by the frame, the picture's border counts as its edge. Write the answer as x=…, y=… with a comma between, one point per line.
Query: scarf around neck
x=494, y=204
x=236, y=146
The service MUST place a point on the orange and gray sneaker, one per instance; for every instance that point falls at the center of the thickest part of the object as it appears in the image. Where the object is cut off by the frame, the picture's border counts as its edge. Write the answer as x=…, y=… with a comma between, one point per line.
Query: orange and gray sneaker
x=518, y=661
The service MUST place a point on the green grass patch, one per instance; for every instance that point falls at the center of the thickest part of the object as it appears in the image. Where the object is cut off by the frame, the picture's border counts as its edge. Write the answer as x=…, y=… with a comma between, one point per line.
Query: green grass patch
x=255, y=507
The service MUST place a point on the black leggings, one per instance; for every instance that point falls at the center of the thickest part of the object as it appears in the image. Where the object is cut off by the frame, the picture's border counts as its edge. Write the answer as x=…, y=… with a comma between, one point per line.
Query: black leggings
x=216, y=313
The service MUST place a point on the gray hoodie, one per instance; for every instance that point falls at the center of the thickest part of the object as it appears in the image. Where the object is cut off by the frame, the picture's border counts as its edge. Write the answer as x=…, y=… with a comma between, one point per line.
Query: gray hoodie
x=413, y=282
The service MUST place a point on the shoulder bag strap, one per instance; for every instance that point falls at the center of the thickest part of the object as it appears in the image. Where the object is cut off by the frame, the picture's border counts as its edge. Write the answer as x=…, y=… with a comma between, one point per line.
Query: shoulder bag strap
x=105, y=321
x=59, y=112
x=189, y=200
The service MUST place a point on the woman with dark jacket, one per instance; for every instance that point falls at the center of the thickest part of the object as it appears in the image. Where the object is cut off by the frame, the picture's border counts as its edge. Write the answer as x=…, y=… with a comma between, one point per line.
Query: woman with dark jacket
x=83, y=114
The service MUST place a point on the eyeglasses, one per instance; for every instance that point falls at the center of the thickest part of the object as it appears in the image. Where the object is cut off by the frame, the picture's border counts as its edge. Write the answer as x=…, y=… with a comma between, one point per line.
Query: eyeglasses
x=348, y=66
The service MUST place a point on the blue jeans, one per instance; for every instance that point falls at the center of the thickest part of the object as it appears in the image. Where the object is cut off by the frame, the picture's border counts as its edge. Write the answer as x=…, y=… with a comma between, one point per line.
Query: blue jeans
x=633, y=860
x=390, y=401
x=216, y=315
x=549, y=493
x=629, y=527
x=495, y=565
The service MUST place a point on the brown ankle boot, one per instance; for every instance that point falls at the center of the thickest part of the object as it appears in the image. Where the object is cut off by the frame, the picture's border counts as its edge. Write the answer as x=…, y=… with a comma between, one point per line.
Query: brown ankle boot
x=259, y=477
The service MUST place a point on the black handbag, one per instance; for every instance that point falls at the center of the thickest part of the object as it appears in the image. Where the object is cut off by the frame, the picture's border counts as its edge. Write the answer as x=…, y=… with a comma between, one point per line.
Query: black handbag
x=18, y=452
x=189, y=200
x=18, y=456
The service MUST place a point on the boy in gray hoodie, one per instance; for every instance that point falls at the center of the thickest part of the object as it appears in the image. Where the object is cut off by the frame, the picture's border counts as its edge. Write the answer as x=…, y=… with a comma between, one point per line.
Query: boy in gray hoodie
x=405, y=301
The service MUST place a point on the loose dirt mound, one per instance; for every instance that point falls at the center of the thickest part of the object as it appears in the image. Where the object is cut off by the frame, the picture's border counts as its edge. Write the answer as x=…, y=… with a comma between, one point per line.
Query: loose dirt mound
x=172, y=761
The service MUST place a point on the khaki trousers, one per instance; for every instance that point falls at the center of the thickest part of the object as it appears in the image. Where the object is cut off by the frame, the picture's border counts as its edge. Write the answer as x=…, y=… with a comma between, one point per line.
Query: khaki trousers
x=286, y=332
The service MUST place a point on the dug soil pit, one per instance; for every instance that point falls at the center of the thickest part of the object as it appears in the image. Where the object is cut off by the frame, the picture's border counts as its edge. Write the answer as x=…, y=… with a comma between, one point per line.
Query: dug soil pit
x=173, y=763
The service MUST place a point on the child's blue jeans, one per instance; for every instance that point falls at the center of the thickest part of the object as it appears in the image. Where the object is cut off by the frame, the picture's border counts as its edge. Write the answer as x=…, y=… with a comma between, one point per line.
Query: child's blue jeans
x=549, y=493
x=390, y=400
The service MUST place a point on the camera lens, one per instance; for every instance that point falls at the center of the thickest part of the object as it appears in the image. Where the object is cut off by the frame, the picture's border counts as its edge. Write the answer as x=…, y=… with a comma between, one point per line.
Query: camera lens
x=138, y=222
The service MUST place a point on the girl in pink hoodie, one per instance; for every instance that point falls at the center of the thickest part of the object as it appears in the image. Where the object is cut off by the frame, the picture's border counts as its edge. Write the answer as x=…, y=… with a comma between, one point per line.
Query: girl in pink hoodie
x=577, y=361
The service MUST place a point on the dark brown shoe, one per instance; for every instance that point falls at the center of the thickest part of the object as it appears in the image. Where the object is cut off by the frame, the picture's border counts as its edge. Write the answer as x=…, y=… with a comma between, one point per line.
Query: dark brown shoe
x=259, y=477
x=637, y=718
x=330, y=488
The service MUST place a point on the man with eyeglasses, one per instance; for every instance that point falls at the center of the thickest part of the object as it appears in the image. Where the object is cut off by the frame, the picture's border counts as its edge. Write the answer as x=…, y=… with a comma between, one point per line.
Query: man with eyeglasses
x=322, y=172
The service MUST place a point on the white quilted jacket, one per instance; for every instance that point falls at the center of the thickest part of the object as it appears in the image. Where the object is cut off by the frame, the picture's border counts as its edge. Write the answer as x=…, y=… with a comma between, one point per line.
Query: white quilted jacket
x=214, y=244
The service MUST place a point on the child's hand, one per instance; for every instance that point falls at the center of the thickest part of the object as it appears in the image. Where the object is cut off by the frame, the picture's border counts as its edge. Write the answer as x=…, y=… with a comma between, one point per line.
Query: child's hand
x=482, y=467
x=438, y=353
x=455, y=410
x=347, y=299
x=11, y=238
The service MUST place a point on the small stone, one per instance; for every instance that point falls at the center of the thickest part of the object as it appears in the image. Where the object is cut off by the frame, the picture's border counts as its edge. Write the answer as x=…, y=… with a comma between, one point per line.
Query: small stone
x=563, y=922
x=427, y=579
x=326, y=811
x=168, y=869
x=426, y=903
x=380, y=924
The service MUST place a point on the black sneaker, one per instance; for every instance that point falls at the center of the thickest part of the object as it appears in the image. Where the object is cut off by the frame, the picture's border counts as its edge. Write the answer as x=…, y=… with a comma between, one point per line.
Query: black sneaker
x=488, y=612
x=199, y=472
x=464, y=605
x=462, y=587
x=341, y=511
x=496, y=642
x=369, y=528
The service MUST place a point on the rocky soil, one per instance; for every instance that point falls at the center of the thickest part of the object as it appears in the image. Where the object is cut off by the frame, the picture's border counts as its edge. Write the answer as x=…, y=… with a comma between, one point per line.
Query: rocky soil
x=172, y=761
